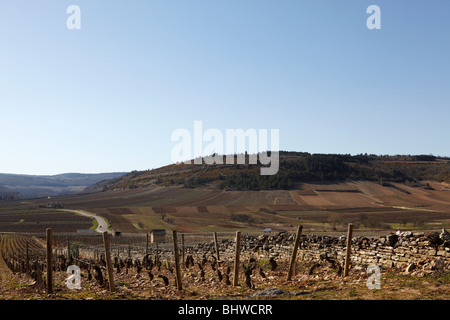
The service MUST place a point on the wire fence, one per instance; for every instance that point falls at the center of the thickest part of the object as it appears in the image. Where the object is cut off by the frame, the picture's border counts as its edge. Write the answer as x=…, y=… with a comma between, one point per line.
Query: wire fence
x=133, y=245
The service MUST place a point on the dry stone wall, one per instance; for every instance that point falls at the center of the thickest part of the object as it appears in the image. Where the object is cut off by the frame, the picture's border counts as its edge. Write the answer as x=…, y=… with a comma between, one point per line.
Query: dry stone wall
x=409, y=250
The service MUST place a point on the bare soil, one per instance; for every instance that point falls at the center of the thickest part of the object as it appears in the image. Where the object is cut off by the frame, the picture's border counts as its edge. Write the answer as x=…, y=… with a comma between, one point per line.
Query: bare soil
x=322, y=284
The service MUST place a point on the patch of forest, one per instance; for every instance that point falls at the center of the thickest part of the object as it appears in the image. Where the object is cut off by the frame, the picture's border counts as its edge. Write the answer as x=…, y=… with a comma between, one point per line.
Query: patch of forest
x=296, y=168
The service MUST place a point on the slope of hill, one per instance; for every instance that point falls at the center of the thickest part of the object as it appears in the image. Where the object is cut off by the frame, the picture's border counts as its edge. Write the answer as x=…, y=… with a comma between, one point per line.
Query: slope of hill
x=322, y=192
x=324, y=207
x=7, y=194
x=295, y=168
x=32, y=186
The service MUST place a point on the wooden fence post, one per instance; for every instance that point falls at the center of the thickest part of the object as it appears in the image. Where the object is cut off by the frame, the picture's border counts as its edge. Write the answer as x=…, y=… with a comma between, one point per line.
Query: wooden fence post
x=177, y=262
x=68, y=248
x=182, y=251
x=349, y=249
x=27, y=258
x=217, y=247
x=109, y=268
x=294, y=253
x=236, y=258
x=49, y=261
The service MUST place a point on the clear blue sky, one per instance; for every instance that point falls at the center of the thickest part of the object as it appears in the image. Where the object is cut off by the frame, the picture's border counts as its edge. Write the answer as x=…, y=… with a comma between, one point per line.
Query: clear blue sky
x=107, y=97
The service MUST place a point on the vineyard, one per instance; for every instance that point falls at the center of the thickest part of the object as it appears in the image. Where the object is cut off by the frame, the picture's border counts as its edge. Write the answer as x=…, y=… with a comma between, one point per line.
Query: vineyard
x=16, y=243
x=137, y=264
x=148, y=270
x=194, y=266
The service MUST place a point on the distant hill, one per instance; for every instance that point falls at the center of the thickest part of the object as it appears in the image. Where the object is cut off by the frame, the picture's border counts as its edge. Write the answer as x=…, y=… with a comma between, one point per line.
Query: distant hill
x=323, y=192
x=295, y=168
x=13, y=186
x=7, y=194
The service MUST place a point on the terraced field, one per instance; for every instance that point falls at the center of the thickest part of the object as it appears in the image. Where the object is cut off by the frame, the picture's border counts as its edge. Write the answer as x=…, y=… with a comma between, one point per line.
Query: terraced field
x=26, y=218
x=17, y=243
x=318, y=207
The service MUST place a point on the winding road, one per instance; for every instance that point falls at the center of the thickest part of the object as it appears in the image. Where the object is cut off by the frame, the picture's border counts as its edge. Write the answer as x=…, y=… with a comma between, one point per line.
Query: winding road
x=102, y=223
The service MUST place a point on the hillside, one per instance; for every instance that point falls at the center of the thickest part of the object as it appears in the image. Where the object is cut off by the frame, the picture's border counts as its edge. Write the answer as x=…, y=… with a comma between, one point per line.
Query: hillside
x=7, y=194
x=295, y=168
x=14, y=186
x=322, y=192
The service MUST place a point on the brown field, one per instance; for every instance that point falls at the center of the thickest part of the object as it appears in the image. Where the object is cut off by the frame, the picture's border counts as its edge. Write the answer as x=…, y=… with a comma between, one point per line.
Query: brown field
x=319, y=207
x=18, y=218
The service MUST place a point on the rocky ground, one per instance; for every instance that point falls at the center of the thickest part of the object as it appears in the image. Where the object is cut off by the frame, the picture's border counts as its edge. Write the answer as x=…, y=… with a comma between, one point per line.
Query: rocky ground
x=309, y=282
x=203, y=278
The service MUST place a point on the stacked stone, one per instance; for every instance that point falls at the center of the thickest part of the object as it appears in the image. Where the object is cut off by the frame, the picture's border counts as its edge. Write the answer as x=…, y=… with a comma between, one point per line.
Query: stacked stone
x=429, y=251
